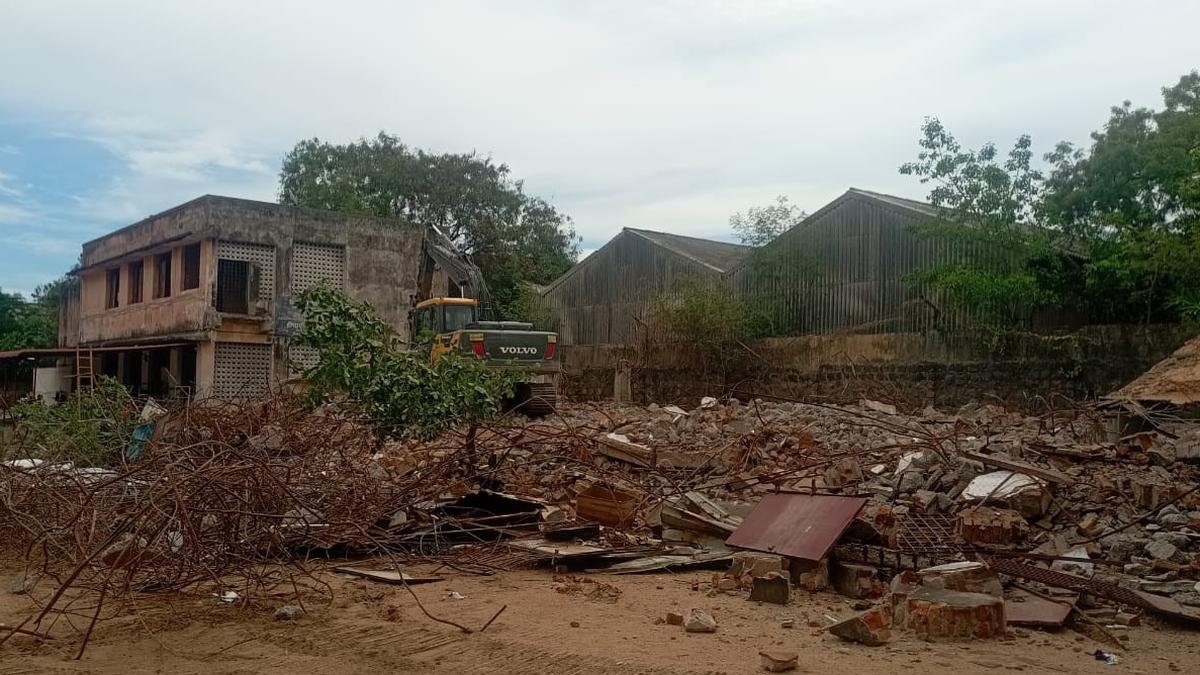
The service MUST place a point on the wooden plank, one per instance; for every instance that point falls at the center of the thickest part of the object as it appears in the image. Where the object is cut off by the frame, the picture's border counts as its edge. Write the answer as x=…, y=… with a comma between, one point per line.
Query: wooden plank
x=386, y=576
x=1021, y=467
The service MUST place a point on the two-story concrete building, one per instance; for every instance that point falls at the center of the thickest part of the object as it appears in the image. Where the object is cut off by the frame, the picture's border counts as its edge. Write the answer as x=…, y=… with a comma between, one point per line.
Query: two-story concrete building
x=198, y=299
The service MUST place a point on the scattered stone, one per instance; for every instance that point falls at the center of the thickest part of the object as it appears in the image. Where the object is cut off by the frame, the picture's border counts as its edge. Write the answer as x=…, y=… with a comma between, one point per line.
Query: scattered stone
x=289, y=613
x=674, y=619
x=779, y=662
x=871, y=628
x=699, y=621
x=787, y=623
x=727, y=584
x=21, y=584
x=1189, y=598
x=1137, y=569
x=574, y=624
x=1161, y=550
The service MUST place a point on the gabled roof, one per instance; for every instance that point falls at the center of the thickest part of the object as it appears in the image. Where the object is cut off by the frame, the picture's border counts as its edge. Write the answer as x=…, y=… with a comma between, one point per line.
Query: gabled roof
x=718, y=256
x=1175, y=379
x=921, y=208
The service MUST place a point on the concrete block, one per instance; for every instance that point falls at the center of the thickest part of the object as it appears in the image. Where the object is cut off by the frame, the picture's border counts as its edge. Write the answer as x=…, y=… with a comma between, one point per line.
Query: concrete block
x=871, y=628
x=936, y=614
x=967, y=577
x=774, y=588
x=855, y=581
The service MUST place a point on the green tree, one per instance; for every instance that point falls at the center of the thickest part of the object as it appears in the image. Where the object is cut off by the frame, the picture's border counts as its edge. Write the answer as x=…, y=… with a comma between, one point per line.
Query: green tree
x=25, y=324
x=760, y=224
x=1133, y=197
x=989, y=205
x=362, y=365
x=515, y=238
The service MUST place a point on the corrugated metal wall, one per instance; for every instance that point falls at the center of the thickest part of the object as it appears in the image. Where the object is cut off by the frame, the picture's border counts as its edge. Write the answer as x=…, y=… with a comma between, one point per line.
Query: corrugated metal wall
x=609, y=299
x=848, y=269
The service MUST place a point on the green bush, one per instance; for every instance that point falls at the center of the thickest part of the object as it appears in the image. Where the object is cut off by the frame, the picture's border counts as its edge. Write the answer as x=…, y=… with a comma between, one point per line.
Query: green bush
x=363, y=365
x=92, y=428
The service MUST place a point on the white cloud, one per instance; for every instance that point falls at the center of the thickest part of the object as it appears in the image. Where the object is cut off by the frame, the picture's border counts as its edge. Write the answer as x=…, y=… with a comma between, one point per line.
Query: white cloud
x=668, y=115
x=9, y=149
x=11, y=214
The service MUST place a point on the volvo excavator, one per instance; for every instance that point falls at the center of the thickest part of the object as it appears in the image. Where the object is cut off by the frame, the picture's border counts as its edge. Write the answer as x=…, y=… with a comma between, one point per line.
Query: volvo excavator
x=444, y=325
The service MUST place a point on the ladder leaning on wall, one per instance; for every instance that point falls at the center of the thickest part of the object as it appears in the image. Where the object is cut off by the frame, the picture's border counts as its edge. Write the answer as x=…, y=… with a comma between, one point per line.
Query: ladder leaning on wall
x=85, y=369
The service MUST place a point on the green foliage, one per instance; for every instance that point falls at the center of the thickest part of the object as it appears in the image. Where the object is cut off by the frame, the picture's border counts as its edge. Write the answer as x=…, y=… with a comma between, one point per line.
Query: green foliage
x=1111, y=231
x=774, y=281
x=989, y=207
x=761, y=224
x=1133, y=198
x=91, y=428
x=709, y=316
x=26, y=324
x=363, y=365
x=515, y=238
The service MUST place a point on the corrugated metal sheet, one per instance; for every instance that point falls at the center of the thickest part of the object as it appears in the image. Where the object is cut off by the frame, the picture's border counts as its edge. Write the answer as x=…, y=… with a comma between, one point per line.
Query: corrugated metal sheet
x=797, y=526
x=848, y=267
x=609, y=298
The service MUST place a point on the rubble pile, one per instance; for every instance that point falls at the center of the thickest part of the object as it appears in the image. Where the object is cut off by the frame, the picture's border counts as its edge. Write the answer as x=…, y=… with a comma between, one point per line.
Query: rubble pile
x=933, y=522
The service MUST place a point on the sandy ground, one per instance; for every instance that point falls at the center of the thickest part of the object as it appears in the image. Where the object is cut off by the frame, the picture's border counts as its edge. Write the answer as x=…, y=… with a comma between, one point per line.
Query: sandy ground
x=373, y=627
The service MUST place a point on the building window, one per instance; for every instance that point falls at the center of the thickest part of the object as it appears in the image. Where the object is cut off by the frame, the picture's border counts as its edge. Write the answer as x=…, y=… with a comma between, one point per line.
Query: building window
x=191, y=266
x=137, y=270
x=112, y=287
x=236, y=287
x=162, y=275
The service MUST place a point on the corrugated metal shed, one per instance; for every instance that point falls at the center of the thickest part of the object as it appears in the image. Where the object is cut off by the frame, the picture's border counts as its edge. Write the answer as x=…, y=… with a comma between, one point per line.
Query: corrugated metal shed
x=607, y=297
x=848, y=266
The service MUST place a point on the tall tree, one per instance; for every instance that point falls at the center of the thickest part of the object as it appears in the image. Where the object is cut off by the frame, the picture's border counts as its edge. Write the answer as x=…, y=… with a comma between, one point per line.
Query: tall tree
x=1134, y=195
x=25, y=324
x=988, y=202
x=516, y=239
x=760, y=224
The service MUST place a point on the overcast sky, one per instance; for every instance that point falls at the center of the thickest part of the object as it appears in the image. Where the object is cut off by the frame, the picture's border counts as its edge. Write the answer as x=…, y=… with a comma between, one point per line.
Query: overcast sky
x=667, y=115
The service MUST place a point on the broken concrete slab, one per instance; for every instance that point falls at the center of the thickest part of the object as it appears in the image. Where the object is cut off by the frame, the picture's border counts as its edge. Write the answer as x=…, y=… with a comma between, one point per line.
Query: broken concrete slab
x=871, y=628
x=1027, y=495
x=968, y=577
x=1022, y=608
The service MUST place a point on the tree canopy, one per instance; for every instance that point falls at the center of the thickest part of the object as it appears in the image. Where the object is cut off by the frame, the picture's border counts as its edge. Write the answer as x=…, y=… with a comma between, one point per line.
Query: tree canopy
x=26, y=324
x=515, y=238
x=760, y=224
x=1111, y=230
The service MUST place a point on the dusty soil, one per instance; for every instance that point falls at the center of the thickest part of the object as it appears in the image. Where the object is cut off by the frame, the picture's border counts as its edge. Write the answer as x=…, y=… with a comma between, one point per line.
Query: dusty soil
x=373, y=627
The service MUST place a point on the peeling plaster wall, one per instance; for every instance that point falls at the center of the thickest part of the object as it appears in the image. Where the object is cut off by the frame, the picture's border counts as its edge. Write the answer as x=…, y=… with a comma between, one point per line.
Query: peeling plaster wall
x=383, y=259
